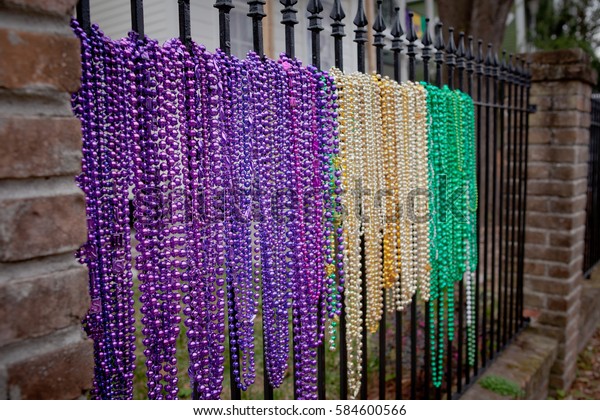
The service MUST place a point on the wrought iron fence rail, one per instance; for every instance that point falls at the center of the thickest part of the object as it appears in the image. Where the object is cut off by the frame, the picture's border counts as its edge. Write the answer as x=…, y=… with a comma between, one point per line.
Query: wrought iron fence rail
x=500, y=91
x=592, y=231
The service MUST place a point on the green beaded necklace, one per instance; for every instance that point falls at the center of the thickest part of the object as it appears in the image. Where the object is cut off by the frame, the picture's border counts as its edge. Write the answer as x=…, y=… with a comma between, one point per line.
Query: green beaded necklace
x=453, y=204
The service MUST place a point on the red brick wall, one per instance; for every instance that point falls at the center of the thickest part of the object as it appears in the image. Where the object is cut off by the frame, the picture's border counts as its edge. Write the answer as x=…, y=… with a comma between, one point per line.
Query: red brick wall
x=557, y=184
x=43, y=290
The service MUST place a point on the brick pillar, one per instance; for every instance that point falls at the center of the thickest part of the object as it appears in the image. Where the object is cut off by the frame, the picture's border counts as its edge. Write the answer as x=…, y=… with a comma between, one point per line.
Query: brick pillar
x=43, y=290
x=558, y=154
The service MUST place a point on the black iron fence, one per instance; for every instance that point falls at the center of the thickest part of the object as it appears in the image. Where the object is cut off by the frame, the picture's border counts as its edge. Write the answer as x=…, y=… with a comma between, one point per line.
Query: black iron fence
x=591, y=256
x=499, y=86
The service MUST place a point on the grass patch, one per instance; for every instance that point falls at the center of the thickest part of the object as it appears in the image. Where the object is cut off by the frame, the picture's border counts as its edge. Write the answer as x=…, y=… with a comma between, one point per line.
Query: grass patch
x=501, y=386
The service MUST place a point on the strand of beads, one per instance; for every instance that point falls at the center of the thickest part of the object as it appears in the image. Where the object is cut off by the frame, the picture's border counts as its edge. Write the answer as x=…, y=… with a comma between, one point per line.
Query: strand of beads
x=240, y=252
x=333, y=210
x=194, y=285
x=275, y=309
x=471, y=244
x=391, y=181
x=121, y=172
x=373, y=201
x=310, y=180
x=452, y=174
x=347, y=93
x=101, y=104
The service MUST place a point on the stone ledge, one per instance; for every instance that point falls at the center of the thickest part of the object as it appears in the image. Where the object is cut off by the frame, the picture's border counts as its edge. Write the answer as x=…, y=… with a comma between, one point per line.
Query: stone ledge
x=526, y=362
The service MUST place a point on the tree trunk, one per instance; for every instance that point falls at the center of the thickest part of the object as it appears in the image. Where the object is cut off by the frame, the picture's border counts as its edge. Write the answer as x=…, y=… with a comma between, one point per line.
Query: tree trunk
x=484, y=19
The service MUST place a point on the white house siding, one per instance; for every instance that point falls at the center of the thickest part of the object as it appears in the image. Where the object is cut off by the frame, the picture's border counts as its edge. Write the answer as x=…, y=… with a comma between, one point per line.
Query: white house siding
x=161, y=22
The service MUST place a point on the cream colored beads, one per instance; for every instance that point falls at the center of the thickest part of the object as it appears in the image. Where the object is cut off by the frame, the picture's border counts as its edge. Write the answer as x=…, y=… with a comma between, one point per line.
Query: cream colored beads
x=383, y=150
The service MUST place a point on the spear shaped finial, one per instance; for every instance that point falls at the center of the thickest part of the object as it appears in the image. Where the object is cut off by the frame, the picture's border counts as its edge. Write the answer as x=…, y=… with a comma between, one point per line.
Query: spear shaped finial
x=451, y=47
x=396, y=30
x=426, y=40
x=489, y=58
x=520, y=66
x=460, y=51
x=337, y=13
x=439, y=37
x=469, y=53
x=411, y=36
x=360, y=20
x=315, y=7
x=379, y=25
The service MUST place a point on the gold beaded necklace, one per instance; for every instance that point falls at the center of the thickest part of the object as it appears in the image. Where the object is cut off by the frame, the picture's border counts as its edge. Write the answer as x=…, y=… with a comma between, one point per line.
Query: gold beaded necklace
x=383, y=153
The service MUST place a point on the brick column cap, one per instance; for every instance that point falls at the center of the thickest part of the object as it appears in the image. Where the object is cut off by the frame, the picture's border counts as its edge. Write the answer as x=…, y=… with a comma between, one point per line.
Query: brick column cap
x=568, y=64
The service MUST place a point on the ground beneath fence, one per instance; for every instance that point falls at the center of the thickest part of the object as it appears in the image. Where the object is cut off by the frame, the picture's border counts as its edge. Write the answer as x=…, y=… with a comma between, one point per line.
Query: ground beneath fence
x=587, y=383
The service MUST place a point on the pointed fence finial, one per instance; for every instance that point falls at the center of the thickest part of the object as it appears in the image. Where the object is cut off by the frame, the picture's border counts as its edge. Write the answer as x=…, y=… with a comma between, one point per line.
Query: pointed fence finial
x=397, y=31
x=460, y=51
x=426, y=50
x=451, y=47
x=469, y=53
x=288, y=19
x=337, y=15
x=411, y=35
x=379, y=27
x=426, y=40
x=315, y=7
x=489, y=57
x=360, y=21
x=439, y=37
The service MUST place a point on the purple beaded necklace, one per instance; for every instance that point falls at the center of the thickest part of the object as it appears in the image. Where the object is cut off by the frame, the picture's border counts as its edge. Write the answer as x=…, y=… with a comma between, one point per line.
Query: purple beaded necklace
x=103, y=107
x=236, y=193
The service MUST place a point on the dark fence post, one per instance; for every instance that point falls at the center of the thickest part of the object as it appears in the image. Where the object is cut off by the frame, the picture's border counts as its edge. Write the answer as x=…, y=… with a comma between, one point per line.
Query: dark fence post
x=460, y=67
x=257, y=13
x=397, y=32
x=379, y=43
x=460, y=60
x=137, y=17
x=360, y=37
x=289, y=20
x=470, y=61
x=439, y=53
x=411, y=37
x=224, y=7
x=515, y=210
x=487, y=68
x=450, y=58
x=450, y=64
x=426, y=56
x=337, y=32
x=185, y=31
x=314, y=9
x=83, y=15
x=426, y=53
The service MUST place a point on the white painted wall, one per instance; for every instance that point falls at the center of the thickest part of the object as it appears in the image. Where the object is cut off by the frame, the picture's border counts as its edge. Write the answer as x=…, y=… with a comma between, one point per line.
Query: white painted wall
x=161, y=22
